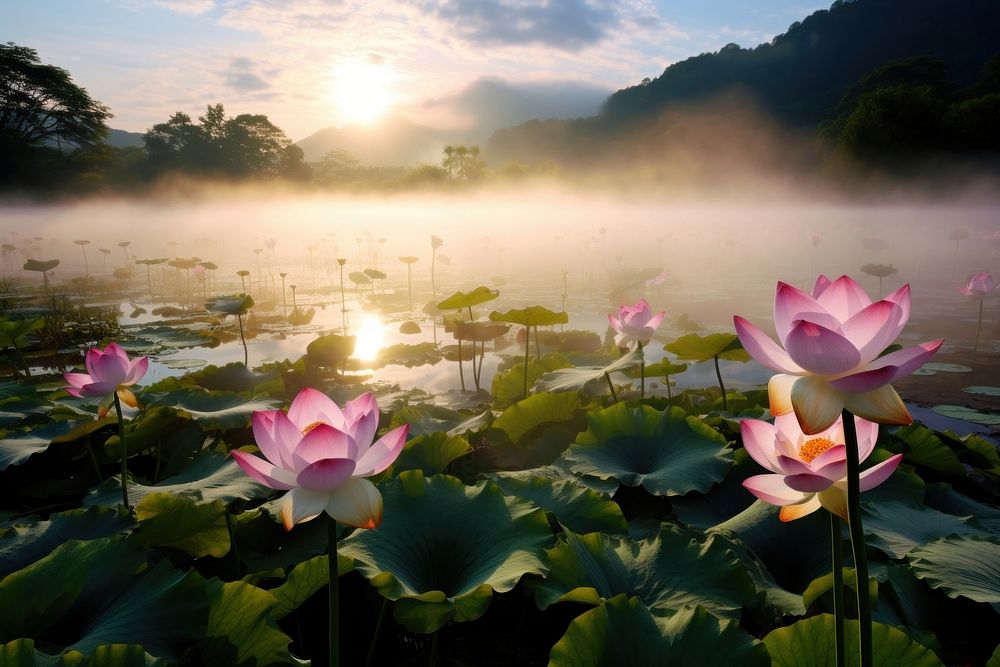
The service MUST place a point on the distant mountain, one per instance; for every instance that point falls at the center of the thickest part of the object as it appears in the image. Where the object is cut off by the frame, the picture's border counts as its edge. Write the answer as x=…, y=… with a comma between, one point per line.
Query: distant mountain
x=472, y=115
x=797, y=79
x=123, y=139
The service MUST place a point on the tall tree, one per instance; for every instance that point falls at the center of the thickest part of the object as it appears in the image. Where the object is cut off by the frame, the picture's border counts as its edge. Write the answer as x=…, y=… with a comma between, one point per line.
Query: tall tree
x=40, y=104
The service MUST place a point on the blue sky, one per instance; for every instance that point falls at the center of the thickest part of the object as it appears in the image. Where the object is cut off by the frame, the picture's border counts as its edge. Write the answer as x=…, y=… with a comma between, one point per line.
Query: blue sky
x=303, y=62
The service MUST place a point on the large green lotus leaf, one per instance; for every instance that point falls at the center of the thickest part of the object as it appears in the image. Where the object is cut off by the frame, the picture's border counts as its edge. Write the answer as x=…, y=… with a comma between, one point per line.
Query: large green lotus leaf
x=234, y=304
x=115, y=655
x=824, y=584
x=18, y=446
x=403, y=354
x=532, y=316
x=176, y=337
x=432, y=453
x=460, y=299
x=212, y=476
x=943, y=497
x=26, y=540
x=899, y=528
x=809, y=643
x=331, y=349
x=968, y=414
x=579, y=508
x=923, y=447
x=96, y=586
x=18, y=653
x=668, y=453
x=143, y=432
x=662, y=368
x=304, y=580
x=14, y=333
x=668, y=572
x=17, y=408
x=537, y=410
x=622, y=631
x=575, y=379
x=968, y=566
x=217, y=409
x=241, y=629
x=425, y=419
x=444, y=547
x=775, y=600
x=181, y=522
x=508, y=385
x=693, y=347
x=983, y=390
x=994, y=660
x=794, y=553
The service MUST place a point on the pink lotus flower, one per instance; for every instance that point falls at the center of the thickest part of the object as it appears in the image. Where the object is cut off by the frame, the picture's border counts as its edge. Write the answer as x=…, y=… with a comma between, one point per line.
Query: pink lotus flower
x=321, y=455
x=109, y=371
x=635, y=323
x=979, y=285
x=809, y=471
x=830, y=359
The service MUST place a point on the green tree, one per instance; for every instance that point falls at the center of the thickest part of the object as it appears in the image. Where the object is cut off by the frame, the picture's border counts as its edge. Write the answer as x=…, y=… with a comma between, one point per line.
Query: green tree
x=462, y=162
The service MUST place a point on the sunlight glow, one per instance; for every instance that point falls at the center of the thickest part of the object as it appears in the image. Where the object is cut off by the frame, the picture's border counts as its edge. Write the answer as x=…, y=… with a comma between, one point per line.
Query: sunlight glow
x=370, y=339
x=361, y=91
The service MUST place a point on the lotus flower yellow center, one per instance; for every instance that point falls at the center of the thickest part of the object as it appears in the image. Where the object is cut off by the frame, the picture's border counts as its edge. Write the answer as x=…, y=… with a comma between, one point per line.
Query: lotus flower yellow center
x=311, y=427
x=810, y=449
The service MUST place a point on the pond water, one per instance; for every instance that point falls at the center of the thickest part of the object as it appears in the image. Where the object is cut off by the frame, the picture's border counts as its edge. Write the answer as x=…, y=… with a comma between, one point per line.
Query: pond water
x=701, y=262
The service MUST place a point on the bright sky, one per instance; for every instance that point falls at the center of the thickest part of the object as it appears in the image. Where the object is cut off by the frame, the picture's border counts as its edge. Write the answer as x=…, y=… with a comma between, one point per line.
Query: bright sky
x=310, y=64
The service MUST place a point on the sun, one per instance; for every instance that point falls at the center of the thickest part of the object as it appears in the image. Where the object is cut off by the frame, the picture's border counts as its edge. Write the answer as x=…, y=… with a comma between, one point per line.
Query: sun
x=361, y=91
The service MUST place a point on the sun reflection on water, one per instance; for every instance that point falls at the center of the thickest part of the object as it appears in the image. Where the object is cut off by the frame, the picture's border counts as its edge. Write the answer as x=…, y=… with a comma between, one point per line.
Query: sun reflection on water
x=370, y=338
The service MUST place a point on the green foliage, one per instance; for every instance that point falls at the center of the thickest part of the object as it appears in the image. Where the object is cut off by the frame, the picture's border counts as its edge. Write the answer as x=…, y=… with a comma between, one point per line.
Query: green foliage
x=965, y=565
x=693, y=347
x=541, y=409
x=575, y=506
x=168, y=520
x=432, y=453
x=461, y=300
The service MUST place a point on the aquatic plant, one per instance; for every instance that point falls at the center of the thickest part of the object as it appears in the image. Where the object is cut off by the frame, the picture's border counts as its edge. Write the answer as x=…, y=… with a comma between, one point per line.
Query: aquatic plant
x=532, y=316
x=693, y=347
x=237, y=305
x=409, y=261
x=42, y=267
x=978, y=287
x=636, y=324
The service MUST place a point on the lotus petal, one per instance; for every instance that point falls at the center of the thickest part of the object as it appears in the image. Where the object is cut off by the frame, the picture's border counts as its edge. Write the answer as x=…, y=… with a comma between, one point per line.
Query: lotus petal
x=356, y=503
x=325, y=474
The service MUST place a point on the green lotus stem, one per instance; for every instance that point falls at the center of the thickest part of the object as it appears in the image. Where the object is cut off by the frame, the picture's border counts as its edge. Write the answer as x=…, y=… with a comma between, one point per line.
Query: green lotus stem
x=343, y=299
x=642, y=371
x=233, y=547
x=718, y=374
x=837, y=553
x=27, y=369
x=461, y=373
x=979, y=328
x=93, y=459
x=121, y=434
x=159, y=459
x=246, y=355
x=482, y=356
x=666, y=381
x=527, y=342
x=434, y=291
x=611, y=386
x=378, y=631
x=858, y=539
x=434, y=646
x=331, y=528
x=538, y=349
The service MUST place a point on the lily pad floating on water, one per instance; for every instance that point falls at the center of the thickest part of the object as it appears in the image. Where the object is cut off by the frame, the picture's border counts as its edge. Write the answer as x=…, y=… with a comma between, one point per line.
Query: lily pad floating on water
x=968, y=414
x=945, y=368
x=184, y=364
x=982, y=390
x=219, y=409
x=409, y=327
x=447, y=547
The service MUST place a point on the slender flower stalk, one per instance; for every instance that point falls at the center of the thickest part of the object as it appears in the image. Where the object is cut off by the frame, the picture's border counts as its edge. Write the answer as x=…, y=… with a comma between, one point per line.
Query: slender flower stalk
x=979, y=286
x=334, y=592
x=636, y=324
x=121, y=435
x=837, y=569
x=858, y=540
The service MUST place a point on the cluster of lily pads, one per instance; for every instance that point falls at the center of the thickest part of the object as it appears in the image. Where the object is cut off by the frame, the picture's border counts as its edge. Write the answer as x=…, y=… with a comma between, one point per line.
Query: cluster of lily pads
x=546, y=522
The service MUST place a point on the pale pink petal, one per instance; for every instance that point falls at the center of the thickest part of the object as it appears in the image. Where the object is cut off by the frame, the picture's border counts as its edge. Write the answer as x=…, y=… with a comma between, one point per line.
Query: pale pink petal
x=901, y=363
x=789, y=302
x=110, y=368
x=759, y=441
x=817, y=405
x=75, y=391
x=808, y=483
x=901, y=298
x=873, y=329
x=879, y=472
x=615, y=323
x=263, y=472
x=843, y=298
x=117, y=350
x=360, y=406
x=136, y=370
x=821, y=285
x=286, y=434
x=356, y=503
x=323, y=442
x=836, y=454
x=772, y=489
x=77, y=380
x=382, y=454
x=859, y=383
x=363, y=430
x=96, y=389
x=793, y=512
x=300, y=505
x=883, y=405
x=793, y=466
x=311, y=406
x=820, y=350
x=276, y=451
x=833, y=471
x=764, y=350
x=787, y=434
x=867, y=436
x=325, y=474
x=656, y=320
x=93, y=354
